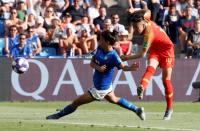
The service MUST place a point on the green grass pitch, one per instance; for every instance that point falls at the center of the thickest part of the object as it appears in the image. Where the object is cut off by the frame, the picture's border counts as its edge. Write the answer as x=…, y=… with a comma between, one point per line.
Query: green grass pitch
x=97, y=116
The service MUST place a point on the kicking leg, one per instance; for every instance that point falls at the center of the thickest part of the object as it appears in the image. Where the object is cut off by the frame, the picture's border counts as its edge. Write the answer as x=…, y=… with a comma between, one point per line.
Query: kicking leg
x=125, y=104
x=84, y=99
x=150, y=70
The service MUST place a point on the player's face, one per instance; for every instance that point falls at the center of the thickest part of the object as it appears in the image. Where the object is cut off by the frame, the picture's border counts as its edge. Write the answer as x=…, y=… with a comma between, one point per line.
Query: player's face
x=139, y=26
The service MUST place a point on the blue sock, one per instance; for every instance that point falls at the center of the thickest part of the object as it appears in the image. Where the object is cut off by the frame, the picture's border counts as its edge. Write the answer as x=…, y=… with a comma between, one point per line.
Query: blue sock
x=67, y=110
x=126, y=104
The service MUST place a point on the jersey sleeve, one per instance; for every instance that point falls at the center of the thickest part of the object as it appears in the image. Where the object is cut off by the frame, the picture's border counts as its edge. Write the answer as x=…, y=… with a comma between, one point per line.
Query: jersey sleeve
x=117, y=60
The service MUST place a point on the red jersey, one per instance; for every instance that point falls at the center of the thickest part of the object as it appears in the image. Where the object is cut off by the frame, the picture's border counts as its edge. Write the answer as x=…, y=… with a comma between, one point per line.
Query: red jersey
x=158, y=40
x=160, y=46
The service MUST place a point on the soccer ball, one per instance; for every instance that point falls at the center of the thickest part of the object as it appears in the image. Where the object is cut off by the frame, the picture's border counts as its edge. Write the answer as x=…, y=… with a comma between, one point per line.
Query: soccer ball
x=20, y=65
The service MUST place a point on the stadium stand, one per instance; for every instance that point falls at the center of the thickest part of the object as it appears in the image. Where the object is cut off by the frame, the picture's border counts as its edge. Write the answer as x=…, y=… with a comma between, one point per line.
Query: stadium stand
x=43, y=20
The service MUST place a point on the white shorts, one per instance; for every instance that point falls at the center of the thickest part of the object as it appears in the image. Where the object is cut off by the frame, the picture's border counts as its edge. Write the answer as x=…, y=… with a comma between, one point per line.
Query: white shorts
x=99, y=94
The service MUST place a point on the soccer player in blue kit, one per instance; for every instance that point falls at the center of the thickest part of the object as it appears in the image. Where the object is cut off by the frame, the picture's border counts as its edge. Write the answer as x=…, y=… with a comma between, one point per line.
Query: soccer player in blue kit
x=103, y=61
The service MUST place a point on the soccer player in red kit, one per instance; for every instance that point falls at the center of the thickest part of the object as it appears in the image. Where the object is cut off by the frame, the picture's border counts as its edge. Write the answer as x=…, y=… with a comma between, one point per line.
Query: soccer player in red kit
x=160, y=53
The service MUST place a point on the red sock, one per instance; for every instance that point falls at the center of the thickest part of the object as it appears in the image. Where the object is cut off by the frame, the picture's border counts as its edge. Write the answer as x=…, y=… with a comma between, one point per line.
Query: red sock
x=146, y=77
x=168, y=93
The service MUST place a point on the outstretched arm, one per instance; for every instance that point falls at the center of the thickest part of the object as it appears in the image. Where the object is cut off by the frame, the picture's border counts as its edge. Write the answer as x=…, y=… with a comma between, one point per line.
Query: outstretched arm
x=133, y=67
x=135, y=56
x=148, y=38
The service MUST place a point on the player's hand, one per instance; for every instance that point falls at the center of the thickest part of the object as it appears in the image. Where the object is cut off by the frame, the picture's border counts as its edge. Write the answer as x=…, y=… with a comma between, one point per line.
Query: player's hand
x=135, y=66
x=102, y=68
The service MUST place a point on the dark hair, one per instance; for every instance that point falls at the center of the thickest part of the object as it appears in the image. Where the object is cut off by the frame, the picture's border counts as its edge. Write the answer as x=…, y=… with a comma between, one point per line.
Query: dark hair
x=172, y=5
x=188, y=6
x=30, y=27
x=110, y=37
x=113, y=14
x=22, y=34
x=12, y=26
x=137, y=17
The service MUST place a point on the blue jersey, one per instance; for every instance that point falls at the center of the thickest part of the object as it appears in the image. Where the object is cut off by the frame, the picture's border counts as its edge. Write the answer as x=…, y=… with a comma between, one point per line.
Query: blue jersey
x=32, y=42
x=21, y=52
x=13, y=42
x=102, y=81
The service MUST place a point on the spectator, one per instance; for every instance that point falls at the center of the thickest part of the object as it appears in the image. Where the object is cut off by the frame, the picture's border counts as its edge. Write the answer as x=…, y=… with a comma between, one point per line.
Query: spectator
x=22, y=10
x=124, y=46
x=54, y=33
x=93, y=11
x=66, y=5
x=83, y=3
x=69, y=44
x=193, y=41
x=49, y=16
x=87, y=43
x=198, y=7
x=181, y=6
x=107, y=25
x=11, y=39
x=186, y=25
x=167, y=3
x=58, y=6
x=39, y=29
x=41, y=6
x=10, y=3
x=154, y=7
x=33, y=41
x=76, y=11
x=5, y=12
x=85, y=25
x=13, y=20
x=21, y=49
x=161, y=14
x=2, y=23
x=171, y=23
x=66, y=23
x=194, y=10
x=99, y=21
x=136, y=5
x=31, y=19
x=115, y=23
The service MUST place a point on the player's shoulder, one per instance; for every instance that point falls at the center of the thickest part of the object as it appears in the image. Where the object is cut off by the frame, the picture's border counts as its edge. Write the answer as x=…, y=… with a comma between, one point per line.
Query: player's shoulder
x=148, y=28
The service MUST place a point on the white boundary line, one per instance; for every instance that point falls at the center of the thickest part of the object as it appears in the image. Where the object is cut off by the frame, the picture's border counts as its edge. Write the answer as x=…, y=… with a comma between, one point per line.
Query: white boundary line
x=111, y=113
x=127, y=126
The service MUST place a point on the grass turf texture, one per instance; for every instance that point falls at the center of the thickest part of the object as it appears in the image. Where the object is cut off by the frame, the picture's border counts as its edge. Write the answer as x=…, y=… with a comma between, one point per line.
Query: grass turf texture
x=97, y=116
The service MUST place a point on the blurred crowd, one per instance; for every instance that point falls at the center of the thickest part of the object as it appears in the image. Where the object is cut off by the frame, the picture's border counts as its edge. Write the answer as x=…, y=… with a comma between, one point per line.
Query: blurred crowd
x=71, y=27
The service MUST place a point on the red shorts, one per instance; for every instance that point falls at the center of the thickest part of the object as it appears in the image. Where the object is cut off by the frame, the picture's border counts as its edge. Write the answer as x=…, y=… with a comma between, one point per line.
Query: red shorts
x=165, y=58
